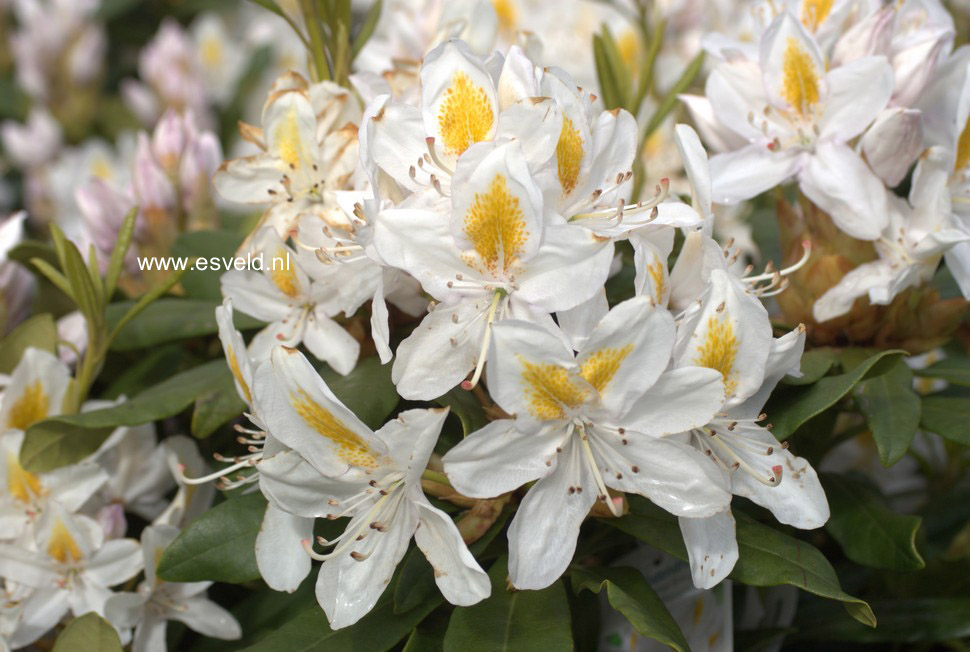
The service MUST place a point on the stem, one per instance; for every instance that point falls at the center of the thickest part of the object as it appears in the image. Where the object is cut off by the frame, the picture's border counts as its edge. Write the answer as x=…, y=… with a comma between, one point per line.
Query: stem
x=435, y=476
x=318, y=48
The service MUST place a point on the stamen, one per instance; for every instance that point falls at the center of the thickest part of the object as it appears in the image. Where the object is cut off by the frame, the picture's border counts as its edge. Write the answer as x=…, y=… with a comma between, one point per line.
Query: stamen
x=771, y=274
x=480, y=365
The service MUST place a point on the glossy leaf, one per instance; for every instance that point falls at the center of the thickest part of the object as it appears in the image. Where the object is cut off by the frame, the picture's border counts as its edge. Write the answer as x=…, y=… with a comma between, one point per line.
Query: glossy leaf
x=768, y=557
x=168, y=320
x=797, y=405
x=39, y=332
x=901, y=621
x=947, y=416
x=954, y=370
x=218, y=546
x=218, y=248
x=216, y=407
x=367, y=390
x=814, y=365
x=870, y=533
x=512, y=620
x=630, y=594
x=88, y=633
x=892, y=411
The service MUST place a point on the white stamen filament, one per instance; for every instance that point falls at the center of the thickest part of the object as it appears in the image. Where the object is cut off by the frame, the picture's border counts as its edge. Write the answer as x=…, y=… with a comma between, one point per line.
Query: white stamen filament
x=483, y=353
x=594, y=467
x=771, y=276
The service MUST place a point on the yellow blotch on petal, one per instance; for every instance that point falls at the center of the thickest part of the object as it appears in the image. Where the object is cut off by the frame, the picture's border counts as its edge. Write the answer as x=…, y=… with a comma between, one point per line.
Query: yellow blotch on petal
x=287, y=137
x=598, y=369
x=963, y=148
x=62, y=545
x=495, y=225
x=350, y=446
x=284, y=276
x=656, y=271
x=21, y=484
x=237, y=374
x=569, y=155
x=211, y=52
x=465, y=116
x=550, y=390
x=814, y=13
x=719, y=351
x=508, y=15
x=32, y=406
x=801, y=81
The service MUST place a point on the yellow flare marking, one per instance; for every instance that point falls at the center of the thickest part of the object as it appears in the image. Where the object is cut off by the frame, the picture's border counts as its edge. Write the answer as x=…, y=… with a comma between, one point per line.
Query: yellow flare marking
x=550, y=390
x=211, y=52
x=569, y=154
x=963, y=148
x=21, y=484
x=814, y=13
x=32, y=406
x=599, y=368
x=62, y=545
x=237, y=374
x=465, y=116
x=656, y=271
x=719, y=351
x=350, y=446
x=285, y=277
x=508, y=14
x=288, y=141
x=801, y=82
x=495, y=225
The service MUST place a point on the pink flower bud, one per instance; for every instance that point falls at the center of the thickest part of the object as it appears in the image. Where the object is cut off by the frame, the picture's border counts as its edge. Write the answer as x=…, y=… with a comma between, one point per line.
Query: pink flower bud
x=893, y=142
x=169, y=141
x=153, y=190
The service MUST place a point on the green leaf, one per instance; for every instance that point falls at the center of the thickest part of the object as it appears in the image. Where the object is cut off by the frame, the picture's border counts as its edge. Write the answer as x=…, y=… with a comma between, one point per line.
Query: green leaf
x=794, y=406
x=216, y=407
x=168, y=320
x=901, y=621
x=378, y=631
x=366, y=29
x=67, y=439
x=815, y=364
x=367, y=390
x=671, y=99
x=145, y=301
x=892, y=411
x=512, y=620
x=623, y=80
x=631, y=595
x=78, y=277
x=767, y=557
x=117, y=262
x=609, y=92
x=39, y=332
x=55, y=277
x=870, y=533
x=954, y=370
x=218, y=546
x=89, y=633
x=466, y=407
x=215, y=247
x=947, y=416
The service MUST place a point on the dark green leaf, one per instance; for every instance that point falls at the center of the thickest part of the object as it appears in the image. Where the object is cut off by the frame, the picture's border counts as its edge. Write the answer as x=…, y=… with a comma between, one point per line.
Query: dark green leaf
x=367, y=390
x=900, y=621
x=670, y=100
x=869, y=532
x=146, y=301
x=631, y=595
x=954, y=370
x=508, y=620
x=466, y=407
x=39, y=332
x=947, y=416
x=366, y=28
x=168, y=320
x=815, y=364
x=799, y=404
x=378, y=631
x=767, y=557
x=117, y=262
x=218, y=546
x=892, y=411
x=216, y=407
x=67, y=439
x=218, y=248
x=89, y=633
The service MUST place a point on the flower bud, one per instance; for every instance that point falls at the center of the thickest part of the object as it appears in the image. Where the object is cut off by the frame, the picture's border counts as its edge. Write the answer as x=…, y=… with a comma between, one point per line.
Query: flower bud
x=870, y=36
x=168, y=141
x=893, y=142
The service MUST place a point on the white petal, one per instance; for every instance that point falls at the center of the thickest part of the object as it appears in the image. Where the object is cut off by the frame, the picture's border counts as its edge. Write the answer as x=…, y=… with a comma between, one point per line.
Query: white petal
x=712, y=547
x=209, y=619
x=461, y=580
x=280, y=556
x=858, y=91
x=748, y=172
x=798, y=500
x=839, y=298
x=331, y=343
x=681, y=399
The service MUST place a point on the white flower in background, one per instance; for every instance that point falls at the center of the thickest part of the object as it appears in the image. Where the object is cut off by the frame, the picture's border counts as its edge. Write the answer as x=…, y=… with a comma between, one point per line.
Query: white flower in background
x=156, y=602
x=496, y=257
x=796, y=119
x=584, y=423
x=17, y=285
x=70, y=567
x=728, y=330
x=339, y=467
x=57, y=44
x=221, y=58
x=34, y=142
x=910, y=249
x=308, y=145
x=296, y=309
